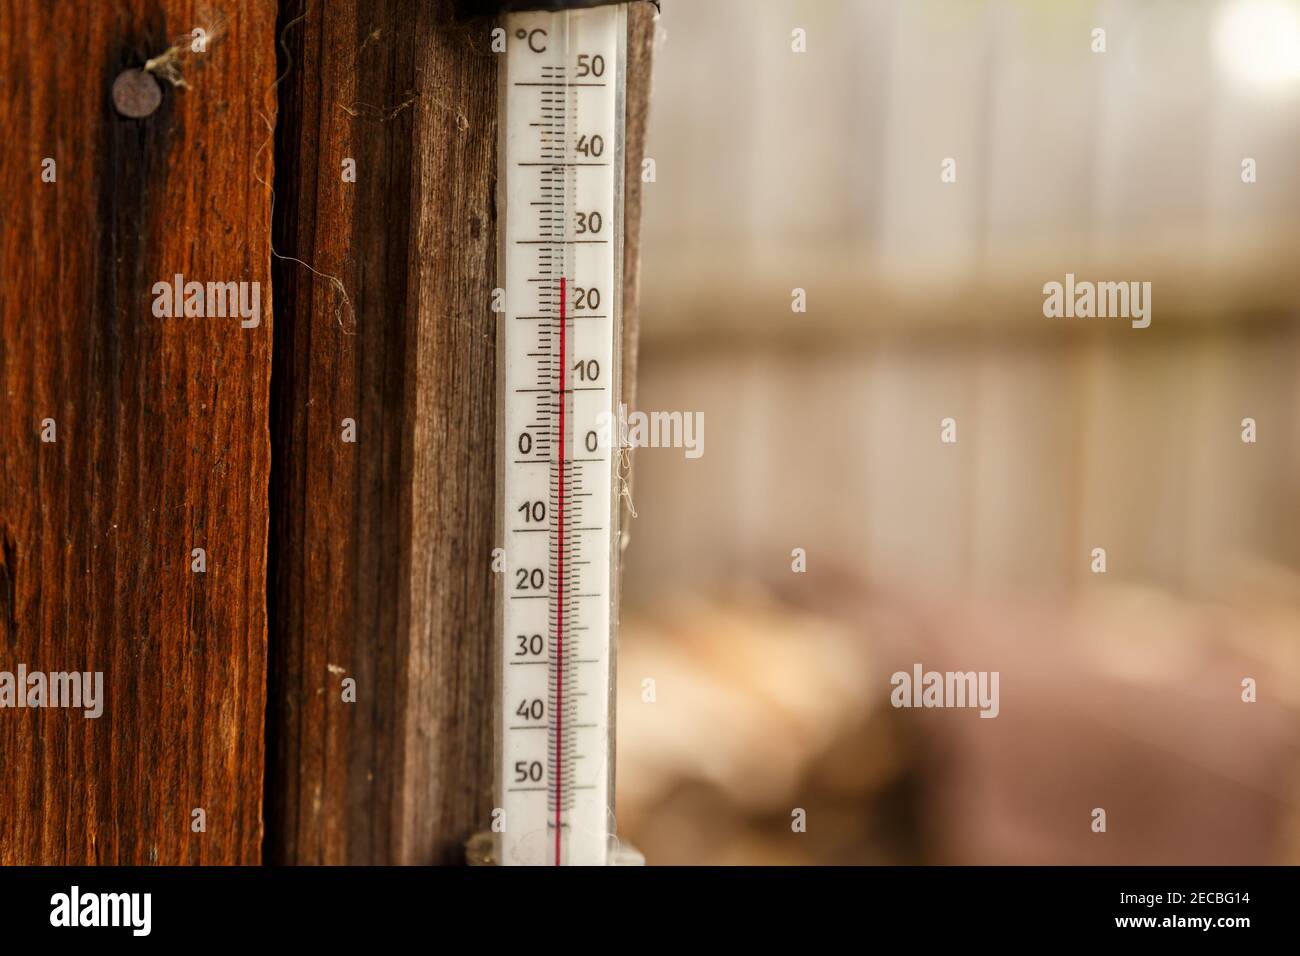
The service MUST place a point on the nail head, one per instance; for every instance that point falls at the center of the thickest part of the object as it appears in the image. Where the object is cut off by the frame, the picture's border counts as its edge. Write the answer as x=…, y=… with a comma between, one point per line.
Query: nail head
x=136, y=94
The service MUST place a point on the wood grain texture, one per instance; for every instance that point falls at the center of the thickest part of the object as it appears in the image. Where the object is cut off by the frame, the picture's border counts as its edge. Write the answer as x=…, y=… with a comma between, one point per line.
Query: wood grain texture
x=161, y=426
x=642, y=18
x=382, y=568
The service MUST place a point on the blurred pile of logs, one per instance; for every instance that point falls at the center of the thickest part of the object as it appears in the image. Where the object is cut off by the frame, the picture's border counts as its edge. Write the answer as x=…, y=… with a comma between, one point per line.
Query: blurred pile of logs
x=1126, y=699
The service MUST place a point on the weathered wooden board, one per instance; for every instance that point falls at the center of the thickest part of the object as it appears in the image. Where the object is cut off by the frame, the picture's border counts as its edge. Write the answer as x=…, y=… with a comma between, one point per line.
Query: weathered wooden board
x=161, y=434
x=640, y=49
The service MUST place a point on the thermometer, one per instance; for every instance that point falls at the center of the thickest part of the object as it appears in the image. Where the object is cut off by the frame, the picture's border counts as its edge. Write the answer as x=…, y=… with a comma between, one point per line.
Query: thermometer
x=559, y=200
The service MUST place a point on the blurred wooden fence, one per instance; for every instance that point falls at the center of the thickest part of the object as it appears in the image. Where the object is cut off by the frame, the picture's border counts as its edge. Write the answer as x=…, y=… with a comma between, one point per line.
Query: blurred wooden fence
x=821, y=171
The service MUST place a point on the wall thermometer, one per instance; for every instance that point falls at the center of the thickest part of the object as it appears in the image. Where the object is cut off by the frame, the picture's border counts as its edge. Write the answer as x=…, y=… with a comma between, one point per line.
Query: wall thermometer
x=560, y=185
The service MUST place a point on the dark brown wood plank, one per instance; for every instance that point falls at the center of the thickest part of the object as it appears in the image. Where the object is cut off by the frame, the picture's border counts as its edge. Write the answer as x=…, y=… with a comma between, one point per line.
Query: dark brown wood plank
x=382, y=548
x=161, y=427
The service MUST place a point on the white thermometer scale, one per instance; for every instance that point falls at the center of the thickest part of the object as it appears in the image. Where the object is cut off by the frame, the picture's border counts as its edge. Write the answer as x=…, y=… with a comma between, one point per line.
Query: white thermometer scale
x=559, y=198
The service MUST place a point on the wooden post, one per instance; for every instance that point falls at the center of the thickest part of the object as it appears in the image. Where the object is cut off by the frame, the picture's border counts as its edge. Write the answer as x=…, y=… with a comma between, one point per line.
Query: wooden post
x=129, y=440
x=382, y=569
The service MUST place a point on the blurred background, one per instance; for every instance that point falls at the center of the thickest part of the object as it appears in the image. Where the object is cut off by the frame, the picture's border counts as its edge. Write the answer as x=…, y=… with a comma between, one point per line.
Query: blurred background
x=749, y=691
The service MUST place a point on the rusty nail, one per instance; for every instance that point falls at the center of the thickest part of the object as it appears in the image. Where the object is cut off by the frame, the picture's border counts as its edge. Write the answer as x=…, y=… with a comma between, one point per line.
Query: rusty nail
x=136, y=94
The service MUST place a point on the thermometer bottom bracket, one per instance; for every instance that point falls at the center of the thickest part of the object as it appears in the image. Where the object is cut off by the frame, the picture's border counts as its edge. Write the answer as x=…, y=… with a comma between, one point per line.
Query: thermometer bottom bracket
x=480, y=851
